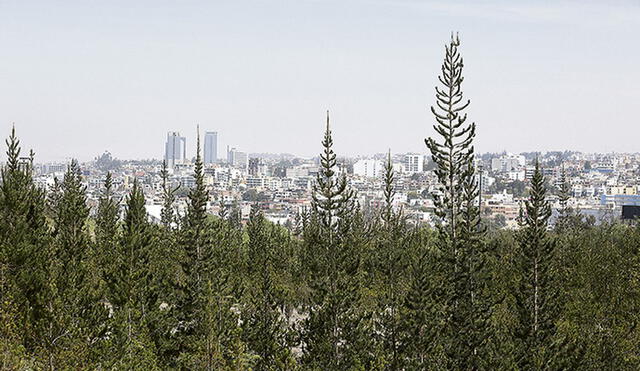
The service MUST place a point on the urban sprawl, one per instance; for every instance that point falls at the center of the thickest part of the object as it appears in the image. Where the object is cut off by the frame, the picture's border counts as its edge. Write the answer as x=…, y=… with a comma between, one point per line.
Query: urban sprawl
x=281, y=184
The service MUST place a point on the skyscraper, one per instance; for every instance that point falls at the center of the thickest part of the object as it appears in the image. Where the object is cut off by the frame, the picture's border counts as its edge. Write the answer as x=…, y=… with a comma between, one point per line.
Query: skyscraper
x=210, y=147
x=175, y=151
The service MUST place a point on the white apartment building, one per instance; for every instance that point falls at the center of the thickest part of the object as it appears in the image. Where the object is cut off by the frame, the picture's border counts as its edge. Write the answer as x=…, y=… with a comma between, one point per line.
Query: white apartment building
x=368, y=168
x=413, y=163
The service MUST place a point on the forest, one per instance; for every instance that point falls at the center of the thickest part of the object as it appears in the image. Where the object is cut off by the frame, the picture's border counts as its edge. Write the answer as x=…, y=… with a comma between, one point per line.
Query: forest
x=340, y=290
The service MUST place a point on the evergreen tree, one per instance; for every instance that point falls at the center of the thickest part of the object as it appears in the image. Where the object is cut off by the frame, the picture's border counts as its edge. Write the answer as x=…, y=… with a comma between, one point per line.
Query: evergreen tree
x=208, y=323
x=106, y=233
x=130, y=285
x=264, y=329
x=107, y=217
x=331, y=198
x=23, y=258
x=460, y=230
x=453, y=155
x=392, y=262
x=103, y=264
x=167, y=214
x=193, y=241
x=332, y=262
x=13, y=355
x=72, y=300
x=389, y=191
x=235, y=215
x=422, y=323
x=564, y=196
x=537, y=299
x=24, y=249
x=167, y=279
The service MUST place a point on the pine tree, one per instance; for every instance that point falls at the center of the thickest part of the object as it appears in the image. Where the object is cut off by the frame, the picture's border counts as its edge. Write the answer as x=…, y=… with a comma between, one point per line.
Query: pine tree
x=167, y=214
x=23, y=258
x=332, y=259
x=389, y=191
x=24, y=248
x=420, y=346
x=565, y=190
x=472, y=260
x=193, y=241
x=72, y=300
x=13, y=355
x=564, y=196
x=102, y=266
x=459, y=232
x=454, y=154
x=331, y=198
x=235, y=215
x=107, y=216
x=208, y=324
x=167, y=279
x=537, y=299
x=264, y=330
x=392, y=262
x=106, y=233
x=134, y=297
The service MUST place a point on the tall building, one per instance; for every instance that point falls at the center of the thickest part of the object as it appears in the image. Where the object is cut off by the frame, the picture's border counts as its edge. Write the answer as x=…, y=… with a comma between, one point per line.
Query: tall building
x=236, y=158
x=175, y=151
x=413, y=163
x=210, y=147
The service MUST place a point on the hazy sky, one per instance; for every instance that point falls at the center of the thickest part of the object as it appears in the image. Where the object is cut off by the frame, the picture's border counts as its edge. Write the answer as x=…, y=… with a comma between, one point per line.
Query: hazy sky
x=81, y=77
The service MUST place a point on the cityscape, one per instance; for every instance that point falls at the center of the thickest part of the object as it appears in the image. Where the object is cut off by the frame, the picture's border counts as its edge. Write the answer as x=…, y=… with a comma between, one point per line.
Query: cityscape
x=173, y=197
x=281, y=184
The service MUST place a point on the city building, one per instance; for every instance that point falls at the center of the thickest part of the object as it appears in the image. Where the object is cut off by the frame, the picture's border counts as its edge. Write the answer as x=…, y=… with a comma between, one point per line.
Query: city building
x=368, y=168
x=507, y=162
x=210, y=147
x=175, y=149
x=257, y=167
x=413, y=163
x=236, y=158
x=619, y=200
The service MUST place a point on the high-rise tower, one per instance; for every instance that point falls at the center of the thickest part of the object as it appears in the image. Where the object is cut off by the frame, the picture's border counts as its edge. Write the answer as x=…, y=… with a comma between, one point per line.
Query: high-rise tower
x=210, y=147
x=175, y=151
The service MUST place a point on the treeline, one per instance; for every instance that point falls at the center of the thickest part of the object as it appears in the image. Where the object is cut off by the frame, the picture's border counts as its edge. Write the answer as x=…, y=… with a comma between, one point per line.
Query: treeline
x=340, y=290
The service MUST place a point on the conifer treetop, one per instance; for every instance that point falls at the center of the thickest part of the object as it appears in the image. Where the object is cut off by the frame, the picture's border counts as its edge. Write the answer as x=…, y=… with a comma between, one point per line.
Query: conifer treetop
x=454, y=151
x=331, y=195
x=389, y=191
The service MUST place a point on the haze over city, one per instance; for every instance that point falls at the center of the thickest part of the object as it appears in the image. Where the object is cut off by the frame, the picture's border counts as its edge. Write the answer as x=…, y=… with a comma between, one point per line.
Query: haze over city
x=79, y=78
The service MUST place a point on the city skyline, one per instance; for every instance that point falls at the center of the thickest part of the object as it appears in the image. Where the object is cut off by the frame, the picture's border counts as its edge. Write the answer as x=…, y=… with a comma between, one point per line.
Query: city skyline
x=319, y=184
x=183, y=149
x=118, y=76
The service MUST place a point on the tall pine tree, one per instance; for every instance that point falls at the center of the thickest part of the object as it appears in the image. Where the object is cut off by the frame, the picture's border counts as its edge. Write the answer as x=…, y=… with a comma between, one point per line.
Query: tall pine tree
x=24, y=250
x=72, y=296
x=332, y=265
x=537, y=299
x=456, y=206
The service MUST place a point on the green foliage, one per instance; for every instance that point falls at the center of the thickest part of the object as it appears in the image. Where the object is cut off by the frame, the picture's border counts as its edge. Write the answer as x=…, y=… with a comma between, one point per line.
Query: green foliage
x=167, y=214
x=331, y=197
x=462, y=258
x=537, y=300
x=24, y=252
x=340, y=289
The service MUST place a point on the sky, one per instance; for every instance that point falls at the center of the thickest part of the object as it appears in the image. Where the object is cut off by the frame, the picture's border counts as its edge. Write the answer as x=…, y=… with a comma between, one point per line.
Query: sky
x=79, y=77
